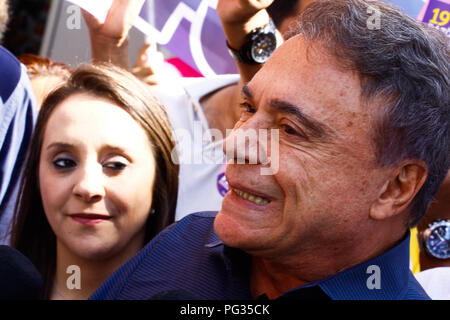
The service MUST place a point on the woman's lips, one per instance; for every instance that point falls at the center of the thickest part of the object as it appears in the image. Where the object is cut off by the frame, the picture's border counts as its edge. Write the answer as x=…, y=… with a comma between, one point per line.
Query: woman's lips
x=89, y=219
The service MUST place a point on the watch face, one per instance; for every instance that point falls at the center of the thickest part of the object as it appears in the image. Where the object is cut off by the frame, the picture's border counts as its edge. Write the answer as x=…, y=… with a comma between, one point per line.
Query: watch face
x=263, y=46
x=437, y=239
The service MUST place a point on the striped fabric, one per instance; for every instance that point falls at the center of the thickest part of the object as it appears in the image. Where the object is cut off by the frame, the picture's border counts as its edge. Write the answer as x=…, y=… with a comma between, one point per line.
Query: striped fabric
x=189, y=257
x=18, y=114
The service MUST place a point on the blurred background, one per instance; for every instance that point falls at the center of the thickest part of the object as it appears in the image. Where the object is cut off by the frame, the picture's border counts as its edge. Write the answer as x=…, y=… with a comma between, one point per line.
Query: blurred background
x=40, y=27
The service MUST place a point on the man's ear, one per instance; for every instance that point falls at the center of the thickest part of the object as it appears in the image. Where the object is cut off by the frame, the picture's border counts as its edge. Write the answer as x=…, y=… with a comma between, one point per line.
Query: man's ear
x=399, y=191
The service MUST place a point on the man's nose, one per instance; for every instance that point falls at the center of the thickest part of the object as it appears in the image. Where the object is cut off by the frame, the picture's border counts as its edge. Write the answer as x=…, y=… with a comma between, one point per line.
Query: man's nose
x=247, y=143
x=89, y=184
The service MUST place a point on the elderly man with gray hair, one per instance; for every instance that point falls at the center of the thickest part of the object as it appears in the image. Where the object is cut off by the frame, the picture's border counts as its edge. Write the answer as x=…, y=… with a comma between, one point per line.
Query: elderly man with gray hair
x=362, y=120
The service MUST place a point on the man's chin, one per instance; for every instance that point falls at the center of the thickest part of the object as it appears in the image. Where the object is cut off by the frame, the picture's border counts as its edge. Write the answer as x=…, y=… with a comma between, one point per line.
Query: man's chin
x=228, y=230
x=234, y=233
x=242, y=224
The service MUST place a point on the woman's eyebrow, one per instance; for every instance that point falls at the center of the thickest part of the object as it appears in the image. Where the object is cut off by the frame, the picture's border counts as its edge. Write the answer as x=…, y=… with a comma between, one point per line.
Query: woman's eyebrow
x=62, y=145
x=117, y=150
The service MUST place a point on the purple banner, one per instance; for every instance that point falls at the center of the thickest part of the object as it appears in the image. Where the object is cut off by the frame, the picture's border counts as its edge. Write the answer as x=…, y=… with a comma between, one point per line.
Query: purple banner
x=196, y=34
x=438, y=16
x=192, y=31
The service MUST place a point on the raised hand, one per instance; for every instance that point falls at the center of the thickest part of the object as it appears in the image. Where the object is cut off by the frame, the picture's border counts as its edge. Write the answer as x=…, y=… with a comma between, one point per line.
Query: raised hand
x=148, y=65
x=109, y=39
x=240, y=11
x=118, y=22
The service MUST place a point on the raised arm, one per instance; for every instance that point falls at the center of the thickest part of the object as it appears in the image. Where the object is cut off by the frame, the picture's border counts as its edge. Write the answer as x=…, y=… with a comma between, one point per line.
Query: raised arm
x=109, y=40
x=239, y=18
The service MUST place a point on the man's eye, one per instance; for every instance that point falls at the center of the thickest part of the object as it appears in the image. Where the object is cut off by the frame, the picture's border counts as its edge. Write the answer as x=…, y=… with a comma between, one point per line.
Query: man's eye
x=247, y=107
x=246, y=111
x=64, y=163
x=289, y=130
x=294, y=132
x=115, y=166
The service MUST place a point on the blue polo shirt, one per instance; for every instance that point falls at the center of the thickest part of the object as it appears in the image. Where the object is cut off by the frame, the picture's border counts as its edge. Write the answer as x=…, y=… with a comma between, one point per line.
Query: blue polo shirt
x=18, y=114
x=189, y=257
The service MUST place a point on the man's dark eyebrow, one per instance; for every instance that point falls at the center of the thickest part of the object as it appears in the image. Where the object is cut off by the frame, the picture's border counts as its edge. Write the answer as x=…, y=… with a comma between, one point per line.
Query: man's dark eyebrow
x=246, y=92
x=316, y=128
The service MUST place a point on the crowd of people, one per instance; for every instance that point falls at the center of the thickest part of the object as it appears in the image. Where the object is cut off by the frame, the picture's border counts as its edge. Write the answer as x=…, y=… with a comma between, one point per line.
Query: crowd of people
x=354, y=170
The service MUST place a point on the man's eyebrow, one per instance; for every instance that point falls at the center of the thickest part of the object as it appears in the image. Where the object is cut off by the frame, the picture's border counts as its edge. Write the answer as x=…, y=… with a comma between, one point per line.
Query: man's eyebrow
x=246, y=92
x=316, y=128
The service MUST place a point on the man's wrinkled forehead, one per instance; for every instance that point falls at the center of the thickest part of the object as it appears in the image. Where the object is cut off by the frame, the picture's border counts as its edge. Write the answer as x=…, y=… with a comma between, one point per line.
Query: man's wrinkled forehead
x=300, y=69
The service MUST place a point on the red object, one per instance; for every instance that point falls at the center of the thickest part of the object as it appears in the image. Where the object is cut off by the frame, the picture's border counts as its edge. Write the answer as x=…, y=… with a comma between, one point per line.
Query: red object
x=185, y=69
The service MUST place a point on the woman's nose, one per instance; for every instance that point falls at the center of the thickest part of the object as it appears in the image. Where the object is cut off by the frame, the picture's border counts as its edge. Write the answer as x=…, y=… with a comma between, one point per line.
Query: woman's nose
x=89, y=185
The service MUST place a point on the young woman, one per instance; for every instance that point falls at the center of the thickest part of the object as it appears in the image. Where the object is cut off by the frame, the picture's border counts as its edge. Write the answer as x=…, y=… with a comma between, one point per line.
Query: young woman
x=99, y=180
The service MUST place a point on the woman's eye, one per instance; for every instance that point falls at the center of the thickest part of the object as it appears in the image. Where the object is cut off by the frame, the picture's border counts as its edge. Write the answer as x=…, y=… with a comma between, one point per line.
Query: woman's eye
x=115, y=166
x=64, y=163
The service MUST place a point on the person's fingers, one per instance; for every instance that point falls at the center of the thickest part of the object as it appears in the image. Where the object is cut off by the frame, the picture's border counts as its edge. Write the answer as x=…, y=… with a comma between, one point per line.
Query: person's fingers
x=120, y=19
x=142, y=67
x=258, y=4
x=143, y=72
x=91, y=21
x=149, y=58
x=142, y=56
x=146, y=75
x=239, y=11
x=149, y=64
x=123, y=13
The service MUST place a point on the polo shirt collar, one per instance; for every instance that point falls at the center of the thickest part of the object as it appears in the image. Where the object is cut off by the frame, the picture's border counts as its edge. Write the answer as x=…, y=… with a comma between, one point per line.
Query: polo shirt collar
x=359, y=282
x=356, y=283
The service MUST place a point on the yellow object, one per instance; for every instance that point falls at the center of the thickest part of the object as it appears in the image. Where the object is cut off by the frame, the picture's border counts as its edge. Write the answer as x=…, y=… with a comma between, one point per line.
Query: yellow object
x=414, y=252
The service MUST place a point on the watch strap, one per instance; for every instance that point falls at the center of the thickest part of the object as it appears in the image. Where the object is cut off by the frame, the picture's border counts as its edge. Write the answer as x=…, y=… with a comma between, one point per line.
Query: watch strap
x=243, y=55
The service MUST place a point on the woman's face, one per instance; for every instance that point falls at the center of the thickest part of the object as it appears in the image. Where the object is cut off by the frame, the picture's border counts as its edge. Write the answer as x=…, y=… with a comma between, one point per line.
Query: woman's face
x=96, y=176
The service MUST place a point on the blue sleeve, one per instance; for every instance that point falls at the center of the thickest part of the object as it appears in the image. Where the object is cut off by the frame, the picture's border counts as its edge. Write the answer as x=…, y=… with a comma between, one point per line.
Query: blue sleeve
x=178, y=258
x=18, y=115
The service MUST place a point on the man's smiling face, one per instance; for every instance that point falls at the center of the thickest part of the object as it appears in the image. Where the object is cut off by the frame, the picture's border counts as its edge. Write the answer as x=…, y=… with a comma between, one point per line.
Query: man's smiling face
x=319, y=198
